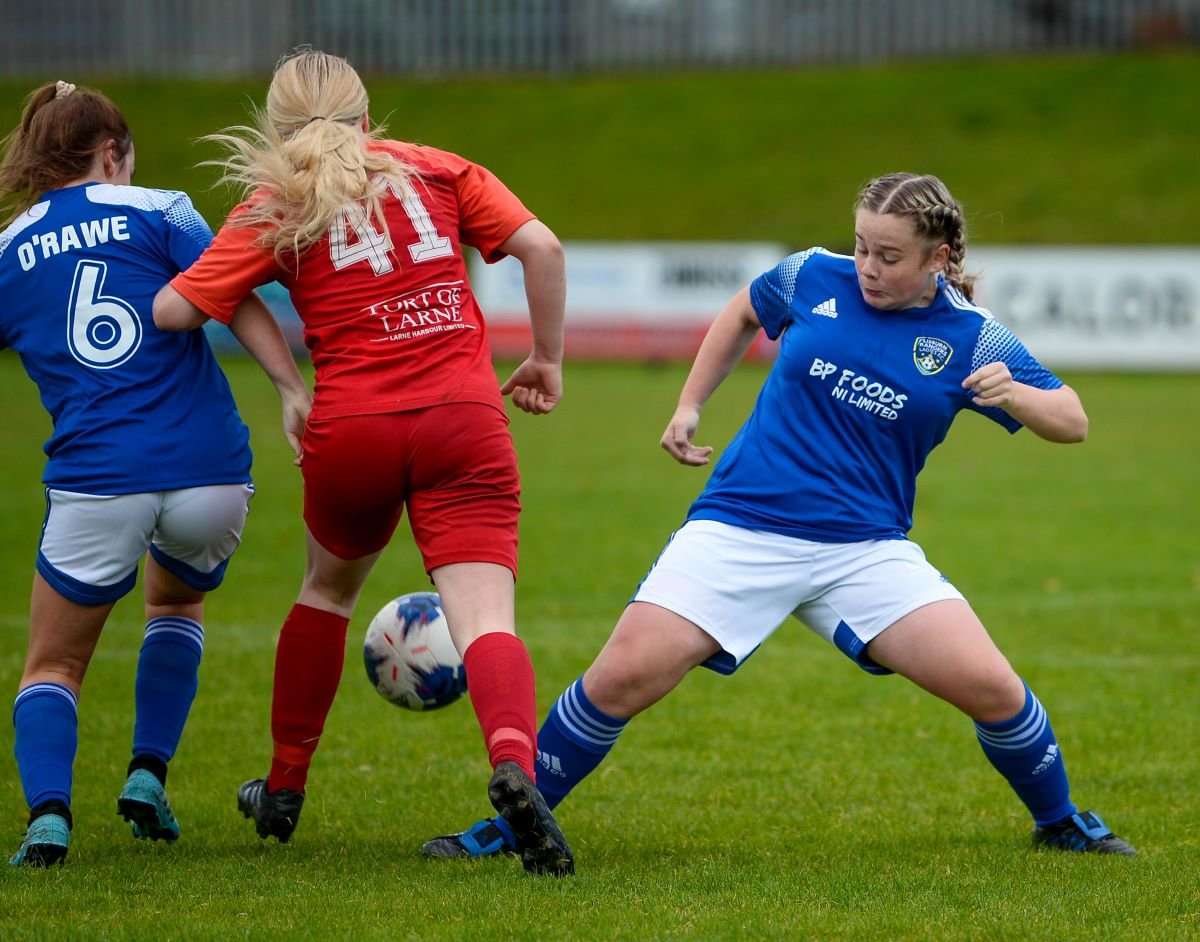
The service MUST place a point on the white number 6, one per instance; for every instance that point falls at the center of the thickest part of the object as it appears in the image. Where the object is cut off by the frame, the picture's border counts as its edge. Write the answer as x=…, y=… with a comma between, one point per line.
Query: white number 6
x=101, y=332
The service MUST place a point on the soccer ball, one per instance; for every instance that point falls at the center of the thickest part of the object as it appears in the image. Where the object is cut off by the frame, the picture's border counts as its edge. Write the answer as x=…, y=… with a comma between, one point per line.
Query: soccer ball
x=409, y=656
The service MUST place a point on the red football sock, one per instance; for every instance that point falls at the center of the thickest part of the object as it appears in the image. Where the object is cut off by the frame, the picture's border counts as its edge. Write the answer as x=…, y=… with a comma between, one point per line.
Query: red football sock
x=500, y=682
x=308, y=668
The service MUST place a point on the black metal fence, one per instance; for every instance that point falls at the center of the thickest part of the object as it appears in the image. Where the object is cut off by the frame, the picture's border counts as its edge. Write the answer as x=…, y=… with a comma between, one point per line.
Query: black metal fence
x=438, y=38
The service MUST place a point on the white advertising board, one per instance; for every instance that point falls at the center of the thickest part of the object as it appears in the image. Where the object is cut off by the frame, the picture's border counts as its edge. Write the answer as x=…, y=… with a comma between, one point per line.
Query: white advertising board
x=659, y=281
x=1106, y=308
x=1118, y=308
x=632, y=300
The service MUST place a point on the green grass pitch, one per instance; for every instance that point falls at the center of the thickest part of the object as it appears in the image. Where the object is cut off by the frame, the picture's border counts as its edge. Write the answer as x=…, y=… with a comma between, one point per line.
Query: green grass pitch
x=798, y=799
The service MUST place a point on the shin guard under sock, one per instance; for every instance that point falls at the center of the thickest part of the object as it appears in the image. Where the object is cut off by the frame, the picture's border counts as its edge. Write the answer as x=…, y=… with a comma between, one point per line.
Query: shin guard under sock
x=500, y=683
x=308, y=668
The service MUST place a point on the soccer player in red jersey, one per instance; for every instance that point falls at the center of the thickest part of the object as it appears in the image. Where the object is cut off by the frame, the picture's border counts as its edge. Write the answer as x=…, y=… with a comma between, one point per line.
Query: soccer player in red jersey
x=367, y=234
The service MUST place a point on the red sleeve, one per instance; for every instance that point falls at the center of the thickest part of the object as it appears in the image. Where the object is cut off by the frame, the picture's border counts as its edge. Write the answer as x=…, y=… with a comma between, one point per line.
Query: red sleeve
x=489, y=211
x=228, y=270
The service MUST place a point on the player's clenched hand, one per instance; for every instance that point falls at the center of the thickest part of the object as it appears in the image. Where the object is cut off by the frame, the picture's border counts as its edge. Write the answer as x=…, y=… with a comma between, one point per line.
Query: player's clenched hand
x=296, y=406
x=677, y=439
x=535, y=386
x=992, y=385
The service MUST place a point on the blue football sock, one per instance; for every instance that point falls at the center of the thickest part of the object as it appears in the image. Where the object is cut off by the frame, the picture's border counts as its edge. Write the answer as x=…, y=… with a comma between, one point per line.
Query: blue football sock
x=46, y=727
x=167, y=680
x=1024, y=751
x=574, y=740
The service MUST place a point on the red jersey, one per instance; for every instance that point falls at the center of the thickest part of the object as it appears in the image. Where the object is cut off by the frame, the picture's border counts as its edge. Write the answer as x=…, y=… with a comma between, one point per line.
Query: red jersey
x=389, y=317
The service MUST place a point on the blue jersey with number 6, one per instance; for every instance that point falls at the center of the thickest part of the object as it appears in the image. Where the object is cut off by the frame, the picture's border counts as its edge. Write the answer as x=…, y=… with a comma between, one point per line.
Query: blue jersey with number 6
x=135, y=409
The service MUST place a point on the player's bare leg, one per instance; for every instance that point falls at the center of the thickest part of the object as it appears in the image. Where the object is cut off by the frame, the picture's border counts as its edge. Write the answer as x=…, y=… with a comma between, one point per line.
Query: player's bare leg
x=647, y=655
x=944, y=648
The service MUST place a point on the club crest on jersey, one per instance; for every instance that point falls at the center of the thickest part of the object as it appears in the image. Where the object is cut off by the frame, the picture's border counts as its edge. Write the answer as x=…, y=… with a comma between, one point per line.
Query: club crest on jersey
x=931, y=355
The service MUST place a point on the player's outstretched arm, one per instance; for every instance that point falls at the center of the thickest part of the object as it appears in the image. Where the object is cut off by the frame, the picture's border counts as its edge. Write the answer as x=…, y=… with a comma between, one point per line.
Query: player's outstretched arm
x=258, y=332
x=723, y=347
x=536, y=385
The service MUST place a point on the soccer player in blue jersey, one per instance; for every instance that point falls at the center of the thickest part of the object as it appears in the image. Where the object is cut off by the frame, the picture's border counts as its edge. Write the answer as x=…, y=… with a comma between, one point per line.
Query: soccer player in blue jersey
x=148, y=456
x=807, y=513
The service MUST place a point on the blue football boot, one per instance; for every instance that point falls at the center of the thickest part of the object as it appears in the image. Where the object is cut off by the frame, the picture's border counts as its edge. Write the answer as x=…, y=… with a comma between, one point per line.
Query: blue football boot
x=143, y=803
x=484, y=838
x=45, y=843
x=1082, y=833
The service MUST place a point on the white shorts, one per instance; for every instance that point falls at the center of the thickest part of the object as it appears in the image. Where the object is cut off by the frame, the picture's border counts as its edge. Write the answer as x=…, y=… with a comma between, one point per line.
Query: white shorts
x=739, y=585
x=92, y=543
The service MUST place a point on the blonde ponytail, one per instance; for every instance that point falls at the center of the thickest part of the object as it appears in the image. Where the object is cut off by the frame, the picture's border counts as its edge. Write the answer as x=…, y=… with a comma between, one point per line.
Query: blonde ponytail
x=307, y=158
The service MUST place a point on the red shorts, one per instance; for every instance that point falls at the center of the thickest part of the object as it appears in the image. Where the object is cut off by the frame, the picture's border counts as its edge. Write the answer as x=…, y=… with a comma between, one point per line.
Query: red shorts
x=453, y=466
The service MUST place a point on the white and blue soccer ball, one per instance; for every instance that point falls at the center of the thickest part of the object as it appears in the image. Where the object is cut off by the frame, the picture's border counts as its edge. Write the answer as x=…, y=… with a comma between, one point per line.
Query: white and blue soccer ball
x=409, y=656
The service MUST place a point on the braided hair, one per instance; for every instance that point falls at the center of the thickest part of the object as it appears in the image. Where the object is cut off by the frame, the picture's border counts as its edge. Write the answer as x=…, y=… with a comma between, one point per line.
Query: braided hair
x=934, y=212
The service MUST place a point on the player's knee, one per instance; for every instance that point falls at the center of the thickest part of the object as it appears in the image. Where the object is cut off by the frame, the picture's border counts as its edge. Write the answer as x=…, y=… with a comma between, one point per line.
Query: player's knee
x=624, y=687
x=332, y=591
x=995, y=696
x=66, y=668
